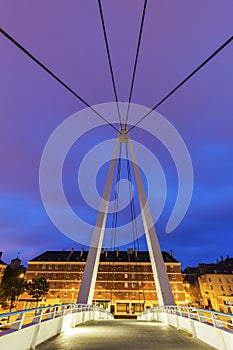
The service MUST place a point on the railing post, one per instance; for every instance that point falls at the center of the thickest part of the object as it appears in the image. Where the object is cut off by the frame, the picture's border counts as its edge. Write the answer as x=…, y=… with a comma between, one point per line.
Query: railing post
x=18, y=323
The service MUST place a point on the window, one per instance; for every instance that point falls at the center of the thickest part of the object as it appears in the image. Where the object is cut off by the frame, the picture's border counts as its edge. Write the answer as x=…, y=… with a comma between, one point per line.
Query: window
x=69, y=267
x=67, y=283
x=126, y=268
x=209, y=279
x=220, y=280
x=126, y=284
x=50, y=267
x=172, y=268
x=133, y=276
x=65, y=294
x=133, y=285
x=222, y=288
x=126, y=275
x=53, y=284
x=56, y=267
x=43, y=267
x=67, y=275
x=100, y=284
x=55, y=275
x=52, y=292
x=100, y=275
x=173, y=277
x=99, y=293
x=211, y=287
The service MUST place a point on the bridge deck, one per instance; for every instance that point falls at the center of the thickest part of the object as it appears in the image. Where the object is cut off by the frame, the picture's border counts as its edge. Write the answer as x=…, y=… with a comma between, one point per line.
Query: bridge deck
x=123, y=334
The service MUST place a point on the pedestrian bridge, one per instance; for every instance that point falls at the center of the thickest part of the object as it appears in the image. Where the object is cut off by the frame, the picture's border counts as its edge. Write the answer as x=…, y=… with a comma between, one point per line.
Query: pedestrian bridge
x=87, y=327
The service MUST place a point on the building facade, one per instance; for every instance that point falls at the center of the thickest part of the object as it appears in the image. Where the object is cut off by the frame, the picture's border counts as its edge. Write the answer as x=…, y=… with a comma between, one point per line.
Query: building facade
x=210, y=285
x=217, y=291
x=124, y=285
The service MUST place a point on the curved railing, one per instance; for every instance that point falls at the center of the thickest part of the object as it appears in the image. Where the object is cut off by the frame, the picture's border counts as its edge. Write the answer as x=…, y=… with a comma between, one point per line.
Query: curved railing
x=213, y=318
x=211, y=327
x=14, y=321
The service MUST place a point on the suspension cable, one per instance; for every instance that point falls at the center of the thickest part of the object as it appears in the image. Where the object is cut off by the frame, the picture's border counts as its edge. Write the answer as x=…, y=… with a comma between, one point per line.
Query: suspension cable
x=184, y=81
x=114, y=222
x=135, y=62
x=132, y=202
x=39, y=63
x=109, y=60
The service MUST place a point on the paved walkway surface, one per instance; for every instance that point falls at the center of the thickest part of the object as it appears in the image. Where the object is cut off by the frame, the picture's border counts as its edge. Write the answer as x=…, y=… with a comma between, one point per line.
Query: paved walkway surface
x=123, y=334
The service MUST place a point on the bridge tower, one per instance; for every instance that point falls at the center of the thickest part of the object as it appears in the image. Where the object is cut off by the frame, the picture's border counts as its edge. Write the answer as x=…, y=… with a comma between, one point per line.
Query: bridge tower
x=86, y=292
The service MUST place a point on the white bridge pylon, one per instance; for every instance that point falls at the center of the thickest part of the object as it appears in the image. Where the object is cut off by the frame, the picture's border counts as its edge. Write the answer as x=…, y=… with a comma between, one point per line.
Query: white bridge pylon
x=86, y=292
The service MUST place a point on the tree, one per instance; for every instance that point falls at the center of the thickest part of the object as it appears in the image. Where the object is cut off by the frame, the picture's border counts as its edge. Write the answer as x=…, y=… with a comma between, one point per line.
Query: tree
x=11, y=290
x=38, y=288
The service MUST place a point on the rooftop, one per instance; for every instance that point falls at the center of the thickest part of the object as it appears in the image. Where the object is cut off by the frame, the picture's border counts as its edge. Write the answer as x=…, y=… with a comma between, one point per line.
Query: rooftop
x=116, y=255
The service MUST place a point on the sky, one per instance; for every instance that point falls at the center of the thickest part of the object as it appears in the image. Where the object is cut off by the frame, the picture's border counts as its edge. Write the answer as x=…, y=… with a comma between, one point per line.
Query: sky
x=68, y=38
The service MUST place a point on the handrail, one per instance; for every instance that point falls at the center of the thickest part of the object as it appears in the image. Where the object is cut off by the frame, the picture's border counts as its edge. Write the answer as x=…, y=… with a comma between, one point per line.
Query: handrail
x=16, y=320
x=213, y=318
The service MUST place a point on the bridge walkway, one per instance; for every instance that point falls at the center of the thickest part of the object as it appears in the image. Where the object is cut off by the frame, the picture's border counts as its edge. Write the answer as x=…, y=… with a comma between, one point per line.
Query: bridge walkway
x=123, y=334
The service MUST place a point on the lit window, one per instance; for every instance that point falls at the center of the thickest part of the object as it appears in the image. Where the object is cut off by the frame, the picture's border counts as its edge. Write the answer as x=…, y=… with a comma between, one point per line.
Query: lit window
x=172, y=268
x=100, y=275
x=43, y=267
x=173, y=277
x=50, y=267
x=126, y=275
x=126, y=284
x=100, y=284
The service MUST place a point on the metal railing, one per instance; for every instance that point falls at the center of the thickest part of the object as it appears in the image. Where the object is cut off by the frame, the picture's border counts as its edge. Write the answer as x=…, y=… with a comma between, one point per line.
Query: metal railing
x=14, y=321
x=213, y=318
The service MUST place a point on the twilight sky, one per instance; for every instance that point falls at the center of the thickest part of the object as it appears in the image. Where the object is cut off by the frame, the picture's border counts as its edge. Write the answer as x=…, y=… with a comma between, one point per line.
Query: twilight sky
x=67, y=37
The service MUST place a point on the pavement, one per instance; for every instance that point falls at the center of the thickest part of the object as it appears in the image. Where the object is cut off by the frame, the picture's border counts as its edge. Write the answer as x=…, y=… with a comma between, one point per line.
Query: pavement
x=123, y=334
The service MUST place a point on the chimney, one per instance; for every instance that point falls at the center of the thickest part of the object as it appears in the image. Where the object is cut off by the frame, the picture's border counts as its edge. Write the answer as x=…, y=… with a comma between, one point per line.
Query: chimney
x=102, y=250
x=0, y=255
x=171, y=253
x=136, y=253
x=106, y=253
x=72, y=250
x=117, y=252
x=81, y=252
